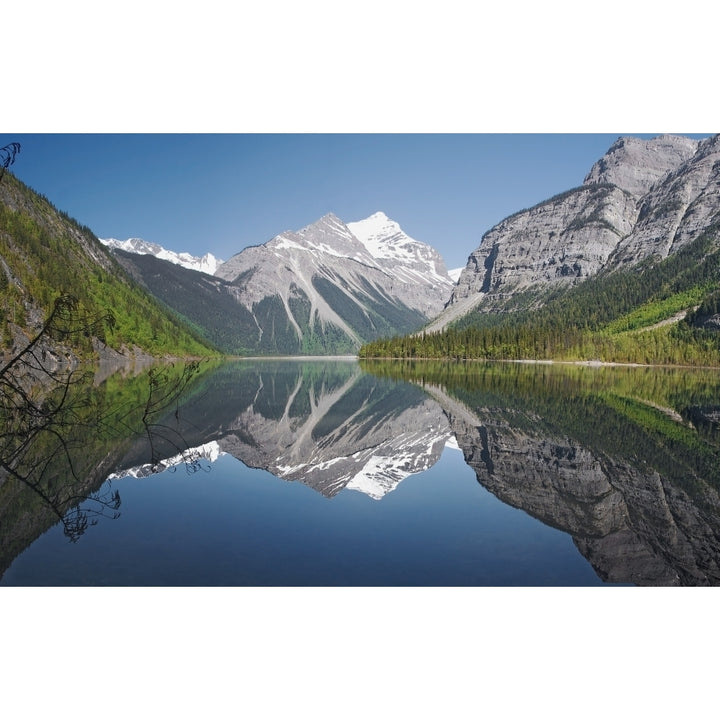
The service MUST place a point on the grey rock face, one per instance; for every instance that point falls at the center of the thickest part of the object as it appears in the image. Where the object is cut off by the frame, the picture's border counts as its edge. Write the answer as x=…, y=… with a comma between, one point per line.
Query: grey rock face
x=712, y=323
x=644, y=197
x=677, y=209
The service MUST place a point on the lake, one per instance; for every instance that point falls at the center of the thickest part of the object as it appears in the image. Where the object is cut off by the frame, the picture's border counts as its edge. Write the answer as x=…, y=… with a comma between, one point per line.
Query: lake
x=338, y=473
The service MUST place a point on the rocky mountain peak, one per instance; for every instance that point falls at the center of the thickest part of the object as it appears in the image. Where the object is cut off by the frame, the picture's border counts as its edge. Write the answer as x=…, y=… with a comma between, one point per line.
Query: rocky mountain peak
x=635, y=165
x=327, y=223
x=336, y=284
x=327, y=236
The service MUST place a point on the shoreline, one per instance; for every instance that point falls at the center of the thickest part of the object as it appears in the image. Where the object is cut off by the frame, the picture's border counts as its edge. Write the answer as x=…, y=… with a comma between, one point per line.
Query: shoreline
x=585, y=363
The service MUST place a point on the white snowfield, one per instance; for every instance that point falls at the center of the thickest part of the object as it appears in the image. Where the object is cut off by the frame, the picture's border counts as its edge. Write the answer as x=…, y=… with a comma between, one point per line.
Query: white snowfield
x=387, y=243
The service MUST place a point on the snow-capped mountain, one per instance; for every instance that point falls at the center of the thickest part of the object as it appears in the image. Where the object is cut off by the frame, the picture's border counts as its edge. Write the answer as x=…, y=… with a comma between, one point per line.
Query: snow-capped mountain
x=208, y=263
x=322, y=290
x=331, y=286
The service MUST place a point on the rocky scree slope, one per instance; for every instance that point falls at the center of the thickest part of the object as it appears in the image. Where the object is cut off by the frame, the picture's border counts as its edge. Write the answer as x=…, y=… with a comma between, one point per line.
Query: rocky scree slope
x=643, y=198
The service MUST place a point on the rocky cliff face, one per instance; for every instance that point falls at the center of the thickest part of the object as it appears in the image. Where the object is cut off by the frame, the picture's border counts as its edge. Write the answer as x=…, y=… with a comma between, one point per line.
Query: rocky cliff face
x=676, y=209
x=637, y=165
x=560, y=242
x=642, y=198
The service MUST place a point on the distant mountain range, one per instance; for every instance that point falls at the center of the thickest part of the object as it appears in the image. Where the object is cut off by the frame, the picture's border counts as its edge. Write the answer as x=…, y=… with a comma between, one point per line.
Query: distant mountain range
x=208, y=263
x=383, y=238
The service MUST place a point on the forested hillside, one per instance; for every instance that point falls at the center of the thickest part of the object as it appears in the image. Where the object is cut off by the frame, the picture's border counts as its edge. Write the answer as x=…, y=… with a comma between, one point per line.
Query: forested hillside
x=45, y=255
x=204, y=301
x=657, y=312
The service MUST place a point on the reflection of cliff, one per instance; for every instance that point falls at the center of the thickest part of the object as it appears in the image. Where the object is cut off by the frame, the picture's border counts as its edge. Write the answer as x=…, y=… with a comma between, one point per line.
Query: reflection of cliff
x=640, y=511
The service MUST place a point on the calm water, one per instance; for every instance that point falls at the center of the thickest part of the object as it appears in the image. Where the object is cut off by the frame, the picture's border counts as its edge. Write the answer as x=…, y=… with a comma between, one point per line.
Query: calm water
x=331, y=473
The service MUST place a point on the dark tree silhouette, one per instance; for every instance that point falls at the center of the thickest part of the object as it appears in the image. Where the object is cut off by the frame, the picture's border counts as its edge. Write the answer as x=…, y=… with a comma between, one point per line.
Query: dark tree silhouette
x=7, y=156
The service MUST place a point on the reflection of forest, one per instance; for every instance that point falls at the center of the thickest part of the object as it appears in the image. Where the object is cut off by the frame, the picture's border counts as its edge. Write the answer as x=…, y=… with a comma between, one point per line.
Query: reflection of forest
x=626, y=460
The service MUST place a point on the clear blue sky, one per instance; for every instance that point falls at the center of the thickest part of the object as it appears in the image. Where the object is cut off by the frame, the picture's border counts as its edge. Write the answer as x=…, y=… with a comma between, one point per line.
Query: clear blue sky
x=220, y=193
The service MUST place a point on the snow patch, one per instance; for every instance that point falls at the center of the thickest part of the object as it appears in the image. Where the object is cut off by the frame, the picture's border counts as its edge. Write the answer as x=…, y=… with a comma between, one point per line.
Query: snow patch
x=451, y=443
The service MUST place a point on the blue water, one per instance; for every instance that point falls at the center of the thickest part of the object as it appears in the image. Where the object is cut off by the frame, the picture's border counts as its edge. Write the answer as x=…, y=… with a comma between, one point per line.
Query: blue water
x=236, y=526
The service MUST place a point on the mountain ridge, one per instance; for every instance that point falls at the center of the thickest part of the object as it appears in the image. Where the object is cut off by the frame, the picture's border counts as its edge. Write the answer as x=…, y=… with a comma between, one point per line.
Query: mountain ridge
x=320, y=290
x=386, y=282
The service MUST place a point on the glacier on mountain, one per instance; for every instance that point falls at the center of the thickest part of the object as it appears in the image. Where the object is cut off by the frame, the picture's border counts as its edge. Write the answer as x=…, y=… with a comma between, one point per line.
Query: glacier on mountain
x=208, y=263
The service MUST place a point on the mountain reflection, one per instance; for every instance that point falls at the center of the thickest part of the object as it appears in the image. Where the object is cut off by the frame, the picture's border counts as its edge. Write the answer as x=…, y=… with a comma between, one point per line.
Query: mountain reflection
x=625, y=460
x=327, y=425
